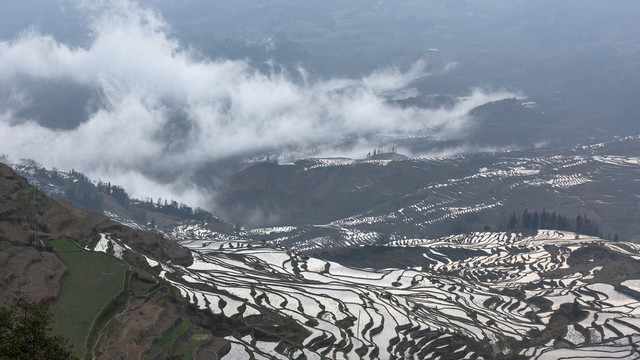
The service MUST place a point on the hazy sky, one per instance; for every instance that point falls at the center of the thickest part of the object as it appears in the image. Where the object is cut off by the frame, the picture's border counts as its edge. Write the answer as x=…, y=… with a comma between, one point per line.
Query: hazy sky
x=158, y=104
x=144, y=95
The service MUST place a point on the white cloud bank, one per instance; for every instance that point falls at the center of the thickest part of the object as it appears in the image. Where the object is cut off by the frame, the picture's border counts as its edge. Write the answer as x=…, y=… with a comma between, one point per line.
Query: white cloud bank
x=145, y=77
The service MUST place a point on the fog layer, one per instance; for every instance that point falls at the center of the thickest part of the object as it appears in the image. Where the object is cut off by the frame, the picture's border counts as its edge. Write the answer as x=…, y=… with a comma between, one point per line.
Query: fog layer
x=152, y=105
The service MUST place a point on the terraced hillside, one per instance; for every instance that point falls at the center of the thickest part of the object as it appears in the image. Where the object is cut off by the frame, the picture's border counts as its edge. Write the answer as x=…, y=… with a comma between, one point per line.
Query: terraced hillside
x=483, y=295
x=348, y=271
x=318, y=204
x=546, y=296
x=108, y=306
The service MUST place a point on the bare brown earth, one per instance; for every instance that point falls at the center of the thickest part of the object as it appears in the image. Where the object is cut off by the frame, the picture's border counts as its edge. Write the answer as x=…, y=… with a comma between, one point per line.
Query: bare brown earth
x=146, y=319
x=31, y=274
x=24, y=271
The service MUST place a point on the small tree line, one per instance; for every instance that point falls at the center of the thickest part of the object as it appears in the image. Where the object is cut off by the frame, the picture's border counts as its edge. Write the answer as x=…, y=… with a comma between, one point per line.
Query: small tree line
x=164, y=206
x=379, y=151
x=528, y=221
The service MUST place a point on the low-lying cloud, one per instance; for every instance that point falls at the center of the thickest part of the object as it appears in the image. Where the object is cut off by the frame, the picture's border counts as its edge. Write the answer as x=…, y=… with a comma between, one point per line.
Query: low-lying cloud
x=158, y=104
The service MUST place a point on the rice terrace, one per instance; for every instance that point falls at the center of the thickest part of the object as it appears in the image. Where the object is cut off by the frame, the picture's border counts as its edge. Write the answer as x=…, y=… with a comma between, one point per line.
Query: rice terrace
x=321, y=179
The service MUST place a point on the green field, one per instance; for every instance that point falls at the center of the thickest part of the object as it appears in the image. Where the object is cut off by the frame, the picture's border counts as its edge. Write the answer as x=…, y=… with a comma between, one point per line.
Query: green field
x=92, y=281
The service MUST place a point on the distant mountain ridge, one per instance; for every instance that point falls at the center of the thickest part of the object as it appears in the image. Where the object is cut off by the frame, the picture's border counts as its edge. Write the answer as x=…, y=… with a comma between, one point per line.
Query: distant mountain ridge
x=315, y=204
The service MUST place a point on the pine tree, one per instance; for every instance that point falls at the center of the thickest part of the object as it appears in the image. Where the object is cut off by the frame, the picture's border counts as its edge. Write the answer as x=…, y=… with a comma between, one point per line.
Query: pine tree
x=526, y=219
x=535, y=221
x=513, y=222
x=562, y=223
x=578, y=223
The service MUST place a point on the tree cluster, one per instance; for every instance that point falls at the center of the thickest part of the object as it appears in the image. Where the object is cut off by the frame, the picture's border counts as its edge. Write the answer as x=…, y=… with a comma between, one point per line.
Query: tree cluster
x=25, y=333
x=117, y=193
x=379, y=151
x=552, y=221
x=172, y=207
x=80, y=191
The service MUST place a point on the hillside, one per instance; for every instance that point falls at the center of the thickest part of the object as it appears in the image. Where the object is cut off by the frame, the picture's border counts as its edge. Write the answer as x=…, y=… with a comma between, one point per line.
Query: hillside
x=322, y=203
x=376, y=280
x=113, y=200
x=27, y=215
x=317, y=203
x=100, y=280
x=478, y=295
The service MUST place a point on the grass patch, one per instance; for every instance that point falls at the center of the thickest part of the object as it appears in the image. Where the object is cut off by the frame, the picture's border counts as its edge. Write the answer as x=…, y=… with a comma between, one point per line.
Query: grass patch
x=159, y=346
x=172, y=336
x=10, y=250
x=186, y=350
x=92, y=281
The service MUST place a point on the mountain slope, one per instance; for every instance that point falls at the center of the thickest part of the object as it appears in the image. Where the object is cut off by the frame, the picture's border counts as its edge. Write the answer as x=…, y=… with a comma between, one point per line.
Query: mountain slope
x=110, y=305
x=544, y=294
x=489, y=295
x=321, y=203
x=314, y=204
x=26, y=214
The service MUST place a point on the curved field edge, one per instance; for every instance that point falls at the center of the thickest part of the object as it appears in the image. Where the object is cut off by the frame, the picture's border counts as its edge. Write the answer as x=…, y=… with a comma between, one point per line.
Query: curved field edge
x=106, y=314
x=92, y=282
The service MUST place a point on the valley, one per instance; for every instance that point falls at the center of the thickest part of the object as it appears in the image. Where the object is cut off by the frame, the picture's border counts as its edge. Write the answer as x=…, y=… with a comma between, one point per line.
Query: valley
x=259, y=180
x=413, y=276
